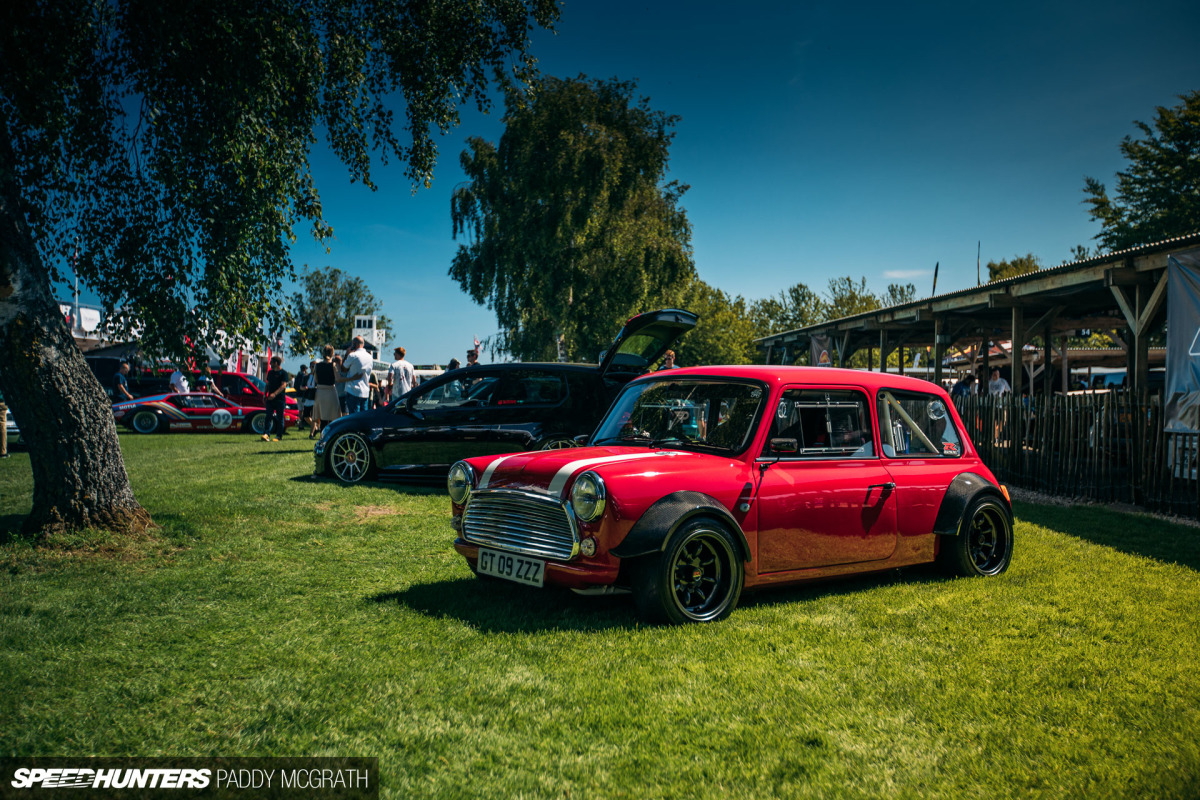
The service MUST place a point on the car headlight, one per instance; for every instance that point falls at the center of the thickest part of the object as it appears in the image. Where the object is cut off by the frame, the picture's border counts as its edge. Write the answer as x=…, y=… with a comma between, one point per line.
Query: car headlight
x=460, y=482
x=587, y=496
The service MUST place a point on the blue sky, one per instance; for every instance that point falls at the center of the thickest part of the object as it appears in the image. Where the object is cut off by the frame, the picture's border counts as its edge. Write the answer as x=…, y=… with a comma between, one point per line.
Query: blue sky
x=819, y=140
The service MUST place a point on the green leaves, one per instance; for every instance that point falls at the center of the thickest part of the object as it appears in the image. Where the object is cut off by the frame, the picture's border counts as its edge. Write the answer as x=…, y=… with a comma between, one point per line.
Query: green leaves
x=571, y=227
x=1158, y=196
x=1019, y=265
x=170, y=144
x=324, y=311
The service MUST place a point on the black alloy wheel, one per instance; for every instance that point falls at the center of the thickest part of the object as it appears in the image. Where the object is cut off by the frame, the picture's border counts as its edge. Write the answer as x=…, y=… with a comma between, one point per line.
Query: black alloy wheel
x=984, y=545
x=698, y=577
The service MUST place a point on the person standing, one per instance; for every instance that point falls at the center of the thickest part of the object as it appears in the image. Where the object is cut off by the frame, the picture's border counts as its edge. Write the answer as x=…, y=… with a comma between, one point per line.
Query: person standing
x=356, y=367
x=179, y=382
x=473, y=357
x=965, y=387
x=309, y=395
x=121, y=391
x=205, y=382
x=668, y=360
x=325, y=405
x=997, y=385
x=4, y=430
x=300, y=386
x=401, y=375
x=277, y=383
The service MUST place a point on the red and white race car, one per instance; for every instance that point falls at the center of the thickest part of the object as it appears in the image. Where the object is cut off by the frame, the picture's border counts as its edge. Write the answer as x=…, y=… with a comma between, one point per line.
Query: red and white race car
x=193, y=411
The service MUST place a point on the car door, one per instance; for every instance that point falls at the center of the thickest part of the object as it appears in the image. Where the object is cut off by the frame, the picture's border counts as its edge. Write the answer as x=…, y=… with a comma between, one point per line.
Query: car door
x=199, y=409
x=442, y=421
x=922, y=451
x=527, y=409
x=825, y=497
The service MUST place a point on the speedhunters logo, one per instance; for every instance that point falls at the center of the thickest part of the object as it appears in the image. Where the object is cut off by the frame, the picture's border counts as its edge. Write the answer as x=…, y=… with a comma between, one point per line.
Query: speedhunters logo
x=83, y=778
x=217, y=777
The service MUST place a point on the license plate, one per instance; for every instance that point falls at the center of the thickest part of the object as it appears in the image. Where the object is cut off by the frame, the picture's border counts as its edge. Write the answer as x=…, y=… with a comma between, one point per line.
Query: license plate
x=519, y=569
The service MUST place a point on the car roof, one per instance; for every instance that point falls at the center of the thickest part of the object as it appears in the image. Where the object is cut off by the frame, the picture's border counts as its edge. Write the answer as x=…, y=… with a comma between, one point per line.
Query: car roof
x=775, y=375
x=549, y=366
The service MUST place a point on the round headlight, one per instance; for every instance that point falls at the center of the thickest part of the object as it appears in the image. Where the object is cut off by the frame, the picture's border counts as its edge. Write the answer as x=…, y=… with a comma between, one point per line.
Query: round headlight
x=587, y=496
x=460, y=482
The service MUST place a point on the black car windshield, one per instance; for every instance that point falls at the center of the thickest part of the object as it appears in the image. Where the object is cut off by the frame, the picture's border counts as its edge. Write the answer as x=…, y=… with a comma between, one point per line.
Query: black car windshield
x=707, y=414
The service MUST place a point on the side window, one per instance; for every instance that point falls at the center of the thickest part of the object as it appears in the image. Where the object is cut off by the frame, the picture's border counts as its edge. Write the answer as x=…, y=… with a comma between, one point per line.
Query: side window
x=473, y=391
x=815, y=423
x=529, y=388
x=916, y=425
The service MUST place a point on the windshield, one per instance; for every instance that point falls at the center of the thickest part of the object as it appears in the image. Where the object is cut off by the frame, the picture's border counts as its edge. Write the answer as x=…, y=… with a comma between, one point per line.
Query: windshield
x=258, y=382
x=712, y=415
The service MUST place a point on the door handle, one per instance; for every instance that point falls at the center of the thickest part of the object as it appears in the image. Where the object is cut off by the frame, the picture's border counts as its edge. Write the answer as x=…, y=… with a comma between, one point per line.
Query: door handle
x=884, y=489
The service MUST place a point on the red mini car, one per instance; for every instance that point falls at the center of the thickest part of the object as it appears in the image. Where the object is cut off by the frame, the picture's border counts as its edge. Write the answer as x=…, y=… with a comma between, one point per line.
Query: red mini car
x=193, y=411
x=702, y=482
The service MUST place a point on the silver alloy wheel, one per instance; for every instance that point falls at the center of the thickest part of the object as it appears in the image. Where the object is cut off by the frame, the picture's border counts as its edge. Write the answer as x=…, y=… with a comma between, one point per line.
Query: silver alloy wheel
x=145, y=422
x=258, y=423
x=350, y=458
x=558, y=444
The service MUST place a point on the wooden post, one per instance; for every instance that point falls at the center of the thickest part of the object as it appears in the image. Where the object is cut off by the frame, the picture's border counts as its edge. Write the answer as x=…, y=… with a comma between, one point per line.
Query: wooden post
x=1018, y=345
x=987, y=369
x=900, y=353
x=939, y=350
x=1047, y=363
x=1140, y=374
x=1066, y=368
x=883, y=351
x=870, y=357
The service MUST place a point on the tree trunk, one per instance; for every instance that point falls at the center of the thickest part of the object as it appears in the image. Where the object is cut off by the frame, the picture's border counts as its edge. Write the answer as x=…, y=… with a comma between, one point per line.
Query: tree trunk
x=79, y=477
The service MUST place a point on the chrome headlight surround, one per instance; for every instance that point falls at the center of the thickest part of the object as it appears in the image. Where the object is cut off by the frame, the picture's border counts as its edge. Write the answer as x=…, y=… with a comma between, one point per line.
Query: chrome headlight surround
x=460, y=481
x=588, y=497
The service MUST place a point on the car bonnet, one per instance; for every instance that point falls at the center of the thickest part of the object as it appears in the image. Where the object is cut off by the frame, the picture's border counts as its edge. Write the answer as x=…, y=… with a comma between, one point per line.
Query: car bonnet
x=552, y=471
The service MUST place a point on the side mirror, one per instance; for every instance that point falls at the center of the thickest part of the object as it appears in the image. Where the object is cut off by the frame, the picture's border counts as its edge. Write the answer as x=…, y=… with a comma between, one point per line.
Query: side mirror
x=247, y=390
x=582, y=439
x=781, y=446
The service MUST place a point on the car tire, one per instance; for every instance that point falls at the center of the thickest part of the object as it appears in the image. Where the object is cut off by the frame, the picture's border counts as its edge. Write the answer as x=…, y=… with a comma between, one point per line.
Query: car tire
x=145, y=422
x=556, y=443
x=350, y=458
x=257, y=423
x=984, y=544
x=698, y=577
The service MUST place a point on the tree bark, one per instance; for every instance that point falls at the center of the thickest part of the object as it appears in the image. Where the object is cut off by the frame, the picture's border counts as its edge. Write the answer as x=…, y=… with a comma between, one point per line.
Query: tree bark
x=79, y=478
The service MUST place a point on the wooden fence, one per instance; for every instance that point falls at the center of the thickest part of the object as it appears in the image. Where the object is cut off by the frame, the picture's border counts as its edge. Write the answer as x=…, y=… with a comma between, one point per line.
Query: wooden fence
x=1105, y=447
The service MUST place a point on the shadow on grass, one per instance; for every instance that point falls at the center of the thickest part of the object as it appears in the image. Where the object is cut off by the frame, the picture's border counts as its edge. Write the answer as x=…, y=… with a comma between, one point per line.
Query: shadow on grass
x=1128, y=533
x=10, y=527
x=406, y=487
x=496, y=606
x=841, y=586
x=501, y=607
x=280, y=452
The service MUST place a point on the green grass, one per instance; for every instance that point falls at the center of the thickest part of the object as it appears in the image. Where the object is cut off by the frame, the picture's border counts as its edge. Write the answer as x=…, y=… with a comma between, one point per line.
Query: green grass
x=276, y=615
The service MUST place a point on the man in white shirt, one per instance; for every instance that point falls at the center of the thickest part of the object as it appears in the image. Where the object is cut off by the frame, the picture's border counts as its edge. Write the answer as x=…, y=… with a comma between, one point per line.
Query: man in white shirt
x=357, y=368
x=401, y=375
x=997, y=385
x=178, y=382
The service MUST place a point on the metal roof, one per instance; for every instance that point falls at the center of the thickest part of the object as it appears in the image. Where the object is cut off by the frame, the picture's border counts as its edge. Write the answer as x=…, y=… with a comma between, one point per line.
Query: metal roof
x=1121, y=257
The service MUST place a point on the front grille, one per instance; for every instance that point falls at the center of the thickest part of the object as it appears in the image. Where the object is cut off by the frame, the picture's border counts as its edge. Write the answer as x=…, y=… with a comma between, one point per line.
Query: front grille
x=521, y=523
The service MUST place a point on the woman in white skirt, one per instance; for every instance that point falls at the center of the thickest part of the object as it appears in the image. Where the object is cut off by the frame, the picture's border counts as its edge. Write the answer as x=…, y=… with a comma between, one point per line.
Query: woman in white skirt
x=325, y=408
